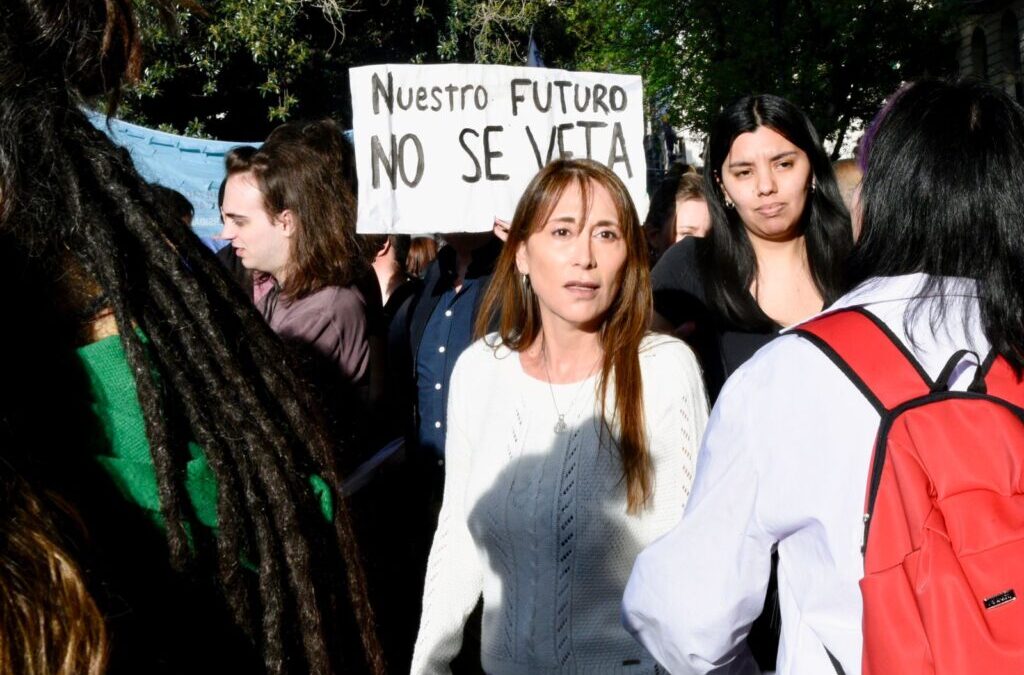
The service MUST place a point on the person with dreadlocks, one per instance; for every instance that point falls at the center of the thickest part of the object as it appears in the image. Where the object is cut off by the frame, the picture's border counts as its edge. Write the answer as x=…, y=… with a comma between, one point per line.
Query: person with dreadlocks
x=127, y=342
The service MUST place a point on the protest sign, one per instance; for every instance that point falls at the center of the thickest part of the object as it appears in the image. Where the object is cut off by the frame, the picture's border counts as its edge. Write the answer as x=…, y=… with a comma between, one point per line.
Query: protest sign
x=449, y=148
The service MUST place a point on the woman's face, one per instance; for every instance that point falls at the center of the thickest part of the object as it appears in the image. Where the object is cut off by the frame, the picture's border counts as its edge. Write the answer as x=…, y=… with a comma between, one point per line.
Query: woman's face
x=692, y=219
x=767, y=178
x=575, y=259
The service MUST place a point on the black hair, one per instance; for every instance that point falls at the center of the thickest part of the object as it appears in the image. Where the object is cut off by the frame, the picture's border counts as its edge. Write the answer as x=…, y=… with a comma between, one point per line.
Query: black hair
x=373, y=243
x=72, y=206
x=943, y=195
x=401, y=244
x=662, y=210
x=726, y=256
x=176, y=203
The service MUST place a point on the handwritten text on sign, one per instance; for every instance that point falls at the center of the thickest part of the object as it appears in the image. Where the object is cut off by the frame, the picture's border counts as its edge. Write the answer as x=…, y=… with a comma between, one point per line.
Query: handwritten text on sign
x=448, y=148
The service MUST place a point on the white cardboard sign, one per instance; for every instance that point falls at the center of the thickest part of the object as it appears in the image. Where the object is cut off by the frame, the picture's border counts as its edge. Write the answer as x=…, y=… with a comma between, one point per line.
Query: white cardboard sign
x=449, y=148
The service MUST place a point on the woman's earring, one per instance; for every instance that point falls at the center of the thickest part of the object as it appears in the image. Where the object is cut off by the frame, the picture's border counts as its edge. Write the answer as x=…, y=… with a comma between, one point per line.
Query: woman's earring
x=814, y=185
x=729, y=204
x=524, y=281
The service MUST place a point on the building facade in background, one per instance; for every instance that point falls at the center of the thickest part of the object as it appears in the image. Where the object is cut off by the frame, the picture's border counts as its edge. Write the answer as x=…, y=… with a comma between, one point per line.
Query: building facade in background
x=990, y=44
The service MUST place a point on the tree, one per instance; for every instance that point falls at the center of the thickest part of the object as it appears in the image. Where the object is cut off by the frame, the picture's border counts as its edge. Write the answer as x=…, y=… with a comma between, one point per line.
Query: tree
x=837, y=60
x=498, y=31
x=236, y=68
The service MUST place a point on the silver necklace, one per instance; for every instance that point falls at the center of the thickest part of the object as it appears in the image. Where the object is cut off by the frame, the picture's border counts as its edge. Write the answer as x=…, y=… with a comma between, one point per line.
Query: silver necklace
x=560, y=426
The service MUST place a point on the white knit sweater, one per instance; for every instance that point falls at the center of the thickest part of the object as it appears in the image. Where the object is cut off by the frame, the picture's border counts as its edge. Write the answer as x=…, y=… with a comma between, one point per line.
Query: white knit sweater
x=536, y=520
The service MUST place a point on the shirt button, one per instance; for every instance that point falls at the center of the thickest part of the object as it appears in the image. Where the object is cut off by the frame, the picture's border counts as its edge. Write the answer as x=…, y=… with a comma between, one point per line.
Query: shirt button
x=448, y=312
x=438, y=386
x=437, y=425
x=441, y=349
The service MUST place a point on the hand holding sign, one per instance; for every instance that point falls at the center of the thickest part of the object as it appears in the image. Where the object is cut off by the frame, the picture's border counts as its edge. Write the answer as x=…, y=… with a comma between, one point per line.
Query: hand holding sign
x=449, y=148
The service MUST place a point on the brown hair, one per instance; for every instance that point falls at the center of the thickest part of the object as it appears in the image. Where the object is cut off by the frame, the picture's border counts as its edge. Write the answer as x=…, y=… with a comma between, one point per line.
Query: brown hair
x=49, y=623
x=691, y=186
x=302, y=168
x=623, y=327
x=682, y=183
x=422, y=251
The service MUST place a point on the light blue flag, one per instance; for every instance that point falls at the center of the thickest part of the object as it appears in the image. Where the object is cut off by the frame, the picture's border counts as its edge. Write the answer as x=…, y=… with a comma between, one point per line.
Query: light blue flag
x=192, y=166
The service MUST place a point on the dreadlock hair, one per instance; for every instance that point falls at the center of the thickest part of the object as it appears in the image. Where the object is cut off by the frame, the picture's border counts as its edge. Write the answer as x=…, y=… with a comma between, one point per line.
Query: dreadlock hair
x=208, y=368
x=177, y=203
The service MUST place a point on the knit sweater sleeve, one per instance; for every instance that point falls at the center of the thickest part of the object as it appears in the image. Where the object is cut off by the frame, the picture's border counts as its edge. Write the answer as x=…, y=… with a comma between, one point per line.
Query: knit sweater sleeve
x=678, y=405
x=454, y=579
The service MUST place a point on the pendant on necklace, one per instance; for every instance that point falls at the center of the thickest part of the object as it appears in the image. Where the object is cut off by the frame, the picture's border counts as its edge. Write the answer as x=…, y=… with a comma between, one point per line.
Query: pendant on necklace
x=560, y=425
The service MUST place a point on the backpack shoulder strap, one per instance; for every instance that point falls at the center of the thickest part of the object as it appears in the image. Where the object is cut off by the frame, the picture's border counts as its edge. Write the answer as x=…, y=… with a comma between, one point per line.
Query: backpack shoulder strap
x=999, y=380
x=870, y=355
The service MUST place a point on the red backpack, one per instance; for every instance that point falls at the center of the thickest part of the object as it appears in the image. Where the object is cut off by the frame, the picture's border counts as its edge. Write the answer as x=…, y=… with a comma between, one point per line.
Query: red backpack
x=944, y=512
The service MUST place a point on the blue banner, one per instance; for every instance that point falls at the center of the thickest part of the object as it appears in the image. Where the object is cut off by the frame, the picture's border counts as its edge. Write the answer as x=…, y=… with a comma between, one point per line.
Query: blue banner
x=192, y=166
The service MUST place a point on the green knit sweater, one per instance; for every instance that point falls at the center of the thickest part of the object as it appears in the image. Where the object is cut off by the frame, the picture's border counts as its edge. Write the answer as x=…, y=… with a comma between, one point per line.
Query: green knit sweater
x=127, y=458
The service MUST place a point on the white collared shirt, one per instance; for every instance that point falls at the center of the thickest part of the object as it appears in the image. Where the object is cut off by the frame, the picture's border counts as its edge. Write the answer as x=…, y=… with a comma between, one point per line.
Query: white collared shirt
x=784, y=463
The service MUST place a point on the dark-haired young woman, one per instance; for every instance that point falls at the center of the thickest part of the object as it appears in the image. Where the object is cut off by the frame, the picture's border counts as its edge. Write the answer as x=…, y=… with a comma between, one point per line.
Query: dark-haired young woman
x=570, y=439
x=778, y=238
x=126, y=345
x=785, y=461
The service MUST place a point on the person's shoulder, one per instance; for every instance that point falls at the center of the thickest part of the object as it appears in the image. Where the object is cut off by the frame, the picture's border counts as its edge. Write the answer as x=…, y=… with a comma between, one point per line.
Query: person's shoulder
x=680, y=258
x=664, y=356
x=329, y=305
x=487, y=350
x=483, y=361
x=341, y=298
x=659, y=346
x=779, y=365
x=678, y=270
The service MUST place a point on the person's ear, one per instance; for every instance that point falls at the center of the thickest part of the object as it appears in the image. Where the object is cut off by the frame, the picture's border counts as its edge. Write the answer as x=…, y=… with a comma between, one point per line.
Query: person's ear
x=287, y=220
x=729, y=203
x=522, y=259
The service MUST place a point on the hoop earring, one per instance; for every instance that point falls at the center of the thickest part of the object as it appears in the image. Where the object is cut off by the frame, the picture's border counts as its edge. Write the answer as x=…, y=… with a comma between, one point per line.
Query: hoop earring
x=729, y=204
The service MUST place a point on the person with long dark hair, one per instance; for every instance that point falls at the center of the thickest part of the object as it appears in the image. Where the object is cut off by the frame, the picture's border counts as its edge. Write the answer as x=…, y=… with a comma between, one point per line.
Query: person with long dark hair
x=785, y=461
x=290, y=217
x=570, y=440
x=779, y=236
x=127, y=342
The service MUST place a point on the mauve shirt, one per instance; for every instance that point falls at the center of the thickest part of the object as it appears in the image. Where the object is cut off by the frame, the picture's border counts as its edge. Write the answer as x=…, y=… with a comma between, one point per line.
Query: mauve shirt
x=330, y=323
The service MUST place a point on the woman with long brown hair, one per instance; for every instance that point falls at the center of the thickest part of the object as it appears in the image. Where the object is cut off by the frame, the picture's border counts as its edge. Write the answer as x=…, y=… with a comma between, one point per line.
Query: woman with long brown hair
x=571, y=440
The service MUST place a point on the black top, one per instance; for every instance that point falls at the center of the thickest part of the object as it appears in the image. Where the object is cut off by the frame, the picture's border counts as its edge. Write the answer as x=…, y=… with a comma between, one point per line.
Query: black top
x=679, y=298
